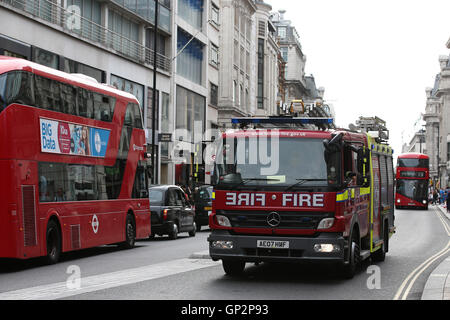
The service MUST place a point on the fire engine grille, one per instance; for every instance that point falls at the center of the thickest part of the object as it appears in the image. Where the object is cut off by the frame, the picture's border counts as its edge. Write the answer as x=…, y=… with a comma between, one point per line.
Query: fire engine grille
x=29, y=216
x=288, y=219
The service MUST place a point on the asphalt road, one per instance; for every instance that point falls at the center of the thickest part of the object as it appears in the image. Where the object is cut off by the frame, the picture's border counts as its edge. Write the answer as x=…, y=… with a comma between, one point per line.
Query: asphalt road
x=161, y=269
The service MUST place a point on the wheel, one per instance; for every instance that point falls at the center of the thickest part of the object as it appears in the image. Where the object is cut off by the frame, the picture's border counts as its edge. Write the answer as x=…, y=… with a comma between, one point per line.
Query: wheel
x=194, y=229
x=349, y=268
x=130, y=233
x=53, y=240
x=380, y=254
x=199, y=227
x=233, y=267
x=174, y=232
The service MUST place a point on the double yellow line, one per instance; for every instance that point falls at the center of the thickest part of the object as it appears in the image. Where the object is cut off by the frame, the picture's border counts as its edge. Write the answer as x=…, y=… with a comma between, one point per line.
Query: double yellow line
x=412, y=277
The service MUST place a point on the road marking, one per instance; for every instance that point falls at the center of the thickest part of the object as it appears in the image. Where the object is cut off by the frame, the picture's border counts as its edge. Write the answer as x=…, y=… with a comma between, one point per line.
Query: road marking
x=420, y=269
x=109, y=280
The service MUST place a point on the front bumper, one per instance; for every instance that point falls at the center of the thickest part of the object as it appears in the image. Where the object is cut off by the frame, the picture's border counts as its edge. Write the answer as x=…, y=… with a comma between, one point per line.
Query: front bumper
x=300, y=248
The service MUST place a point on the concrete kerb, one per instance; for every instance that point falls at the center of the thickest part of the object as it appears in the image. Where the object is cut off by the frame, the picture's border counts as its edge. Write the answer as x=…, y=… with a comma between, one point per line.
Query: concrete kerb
x=437, y=286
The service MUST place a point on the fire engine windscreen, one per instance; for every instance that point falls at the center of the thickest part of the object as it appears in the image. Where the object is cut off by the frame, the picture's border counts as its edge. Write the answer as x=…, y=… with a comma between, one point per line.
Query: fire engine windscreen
x=275, y=163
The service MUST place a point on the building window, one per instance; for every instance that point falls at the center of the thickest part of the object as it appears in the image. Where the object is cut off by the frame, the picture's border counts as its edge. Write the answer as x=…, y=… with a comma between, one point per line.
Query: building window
x=260, y=83
x=282, y=32
x=448, y=151
x=235, y=94
x=90, y=11
x=129, y=86
x=124, y=36
x=190, y=60
x=191, y=12
x=214, y=94
x=190, y=113
x=45, y=58
x=71, y=66
x=214, y=59
x=215, y=14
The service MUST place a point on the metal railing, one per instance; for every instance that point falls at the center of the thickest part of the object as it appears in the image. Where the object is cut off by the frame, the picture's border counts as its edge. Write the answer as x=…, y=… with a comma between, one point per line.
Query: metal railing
x=73, y=23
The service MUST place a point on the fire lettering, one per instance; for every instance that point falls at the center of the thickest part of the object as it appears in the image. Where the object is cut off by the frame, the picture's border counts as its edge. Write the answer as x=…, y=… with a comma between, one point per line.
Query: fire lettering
x=303, y=200
x=245, y=199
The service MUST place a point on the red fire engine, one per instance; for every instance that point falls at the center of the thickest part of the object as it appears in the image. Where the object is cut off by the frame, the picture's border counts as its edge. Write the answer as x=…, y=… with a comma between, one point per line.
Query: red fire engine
x=296, y=193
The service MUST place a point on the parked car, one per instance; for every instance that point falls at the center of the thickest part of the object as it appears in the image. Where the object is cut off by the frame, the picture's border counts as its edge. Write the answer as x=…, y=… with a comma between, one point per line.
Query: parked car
x=203, y=205
x=171, y=212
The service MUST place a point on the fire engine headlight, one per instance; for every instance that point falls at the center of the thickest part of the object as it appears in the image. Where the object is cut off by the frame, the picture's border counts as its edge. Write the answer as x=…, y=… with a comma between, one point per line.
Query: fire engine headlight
x=424, y=201
x=223, y=221
x=326, y=247
x=398, y=200
x=222, y=244
x=326, y=223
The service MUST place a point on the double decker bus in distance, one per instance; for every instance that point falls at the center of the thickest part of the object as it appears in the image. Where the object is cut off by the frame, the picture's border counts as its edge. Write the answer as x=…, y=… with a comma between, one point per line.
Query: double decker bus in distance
x=72, y=160
x=412, y=175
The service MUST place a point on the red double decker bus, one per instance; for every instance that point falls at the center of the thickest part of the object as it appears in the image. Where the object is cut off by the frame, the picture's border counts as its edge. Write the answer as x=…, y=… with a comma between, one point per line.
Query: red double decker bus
x=72, y=159
x=412, y=181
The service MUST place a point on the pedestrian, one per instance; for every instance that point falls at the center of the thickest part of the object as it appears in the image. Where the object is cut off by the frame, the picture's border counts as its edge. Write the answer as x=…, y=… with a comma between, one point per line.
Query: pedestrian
x=448, y=201
x=435, y=197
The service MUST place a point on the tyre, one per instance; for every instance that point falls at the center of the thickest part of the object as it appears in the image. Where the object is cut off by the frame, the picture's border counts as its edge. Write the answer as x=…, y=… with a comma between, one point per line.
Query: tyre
x=199, y=227
x=130, y=232
x=349, y=269
x=194, y=229
x=173, y=234
x=233, y=267
x=53, y=241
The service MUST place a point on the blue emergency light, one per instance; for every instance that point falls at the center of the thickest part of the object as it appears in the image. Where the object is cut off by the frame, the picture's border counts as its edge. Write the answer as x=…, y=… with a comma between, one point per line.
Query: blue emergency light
x=283, y=120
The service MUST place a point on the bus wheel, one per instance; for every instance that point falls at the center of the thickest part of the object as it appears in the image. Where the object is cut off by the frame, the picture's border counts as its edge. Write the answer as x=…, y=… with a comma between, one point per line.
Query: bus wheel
x=233, y=267
x=53, y=241
x=130, y=232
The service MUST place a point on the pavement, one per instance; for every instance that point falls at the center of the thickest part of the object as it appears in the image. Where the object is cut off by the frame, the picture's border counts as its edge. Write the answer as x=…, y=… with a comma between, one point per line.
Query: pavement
x=437, y=286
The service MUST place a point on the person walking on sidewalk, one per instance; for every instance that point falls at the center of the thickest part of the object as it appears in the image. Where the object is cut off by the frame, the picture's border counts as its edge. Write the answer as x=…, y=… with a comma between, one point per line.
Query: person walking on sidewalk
x=435, y=197
x=448, y=200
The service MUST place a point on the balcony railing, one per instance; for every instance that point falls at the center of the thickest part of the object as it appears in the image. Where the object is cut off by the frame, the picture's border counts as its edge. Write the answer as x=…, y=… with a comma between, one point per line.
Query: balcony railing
x=73, y=23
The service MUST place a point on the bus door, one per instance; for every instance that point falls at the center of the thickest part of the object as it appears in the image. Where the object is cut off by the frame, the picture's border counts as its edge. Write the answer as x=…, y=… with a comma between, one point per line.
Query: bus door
x=376, y=197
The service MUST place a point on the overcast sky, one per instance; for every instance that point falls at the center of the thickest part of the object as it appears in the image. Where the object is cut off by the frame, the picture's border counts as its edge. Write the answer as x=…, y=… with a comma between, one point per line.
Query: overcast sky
x=374, y=58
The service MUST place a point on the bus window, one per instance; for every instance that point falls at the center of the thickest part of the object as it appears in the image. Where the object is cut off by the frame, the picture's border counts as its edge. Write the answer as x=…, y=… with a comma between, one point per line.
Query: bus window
x=140, y=188
x=15, y=87
x=133, y=116
x=68, y=99
x=85, y=103
x=102, y=107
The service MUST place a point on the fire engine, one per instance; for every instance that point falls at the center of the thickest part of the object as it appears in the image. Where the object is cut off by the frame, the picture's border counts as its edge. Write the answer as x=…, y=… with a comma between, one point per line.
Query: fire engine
x=298, y=189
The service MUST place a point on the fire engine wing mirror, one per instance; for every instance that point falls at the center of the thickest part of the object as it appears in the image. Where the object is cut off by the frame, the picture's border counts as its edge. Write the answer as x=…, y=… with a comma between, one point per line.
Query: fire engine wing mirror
x=332, y=146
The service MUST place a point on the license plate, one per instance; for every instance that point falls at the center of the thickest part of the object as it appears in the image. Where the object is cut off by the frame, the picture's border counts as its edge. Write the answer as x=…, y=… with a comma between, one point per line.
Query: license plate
x=273, y=244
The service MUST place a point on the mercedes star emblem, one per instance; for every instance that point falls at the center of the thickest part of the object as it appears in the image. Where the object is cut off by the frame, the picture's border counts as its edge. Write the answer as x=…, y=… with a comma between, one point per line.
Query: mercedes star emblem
x=273, y=219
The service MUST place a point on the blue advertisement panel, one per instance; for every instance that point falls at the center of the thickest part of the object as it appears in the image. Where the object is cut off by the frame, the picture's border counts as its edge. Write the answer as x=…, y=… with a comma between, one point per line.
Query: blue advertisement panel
x=99, y=141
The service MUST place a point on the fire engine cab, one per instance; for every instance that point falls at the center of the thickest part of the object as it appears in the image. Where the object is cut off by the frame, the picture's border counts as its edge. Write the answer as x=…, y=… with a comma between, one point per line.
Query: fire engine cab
x=297, y=189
